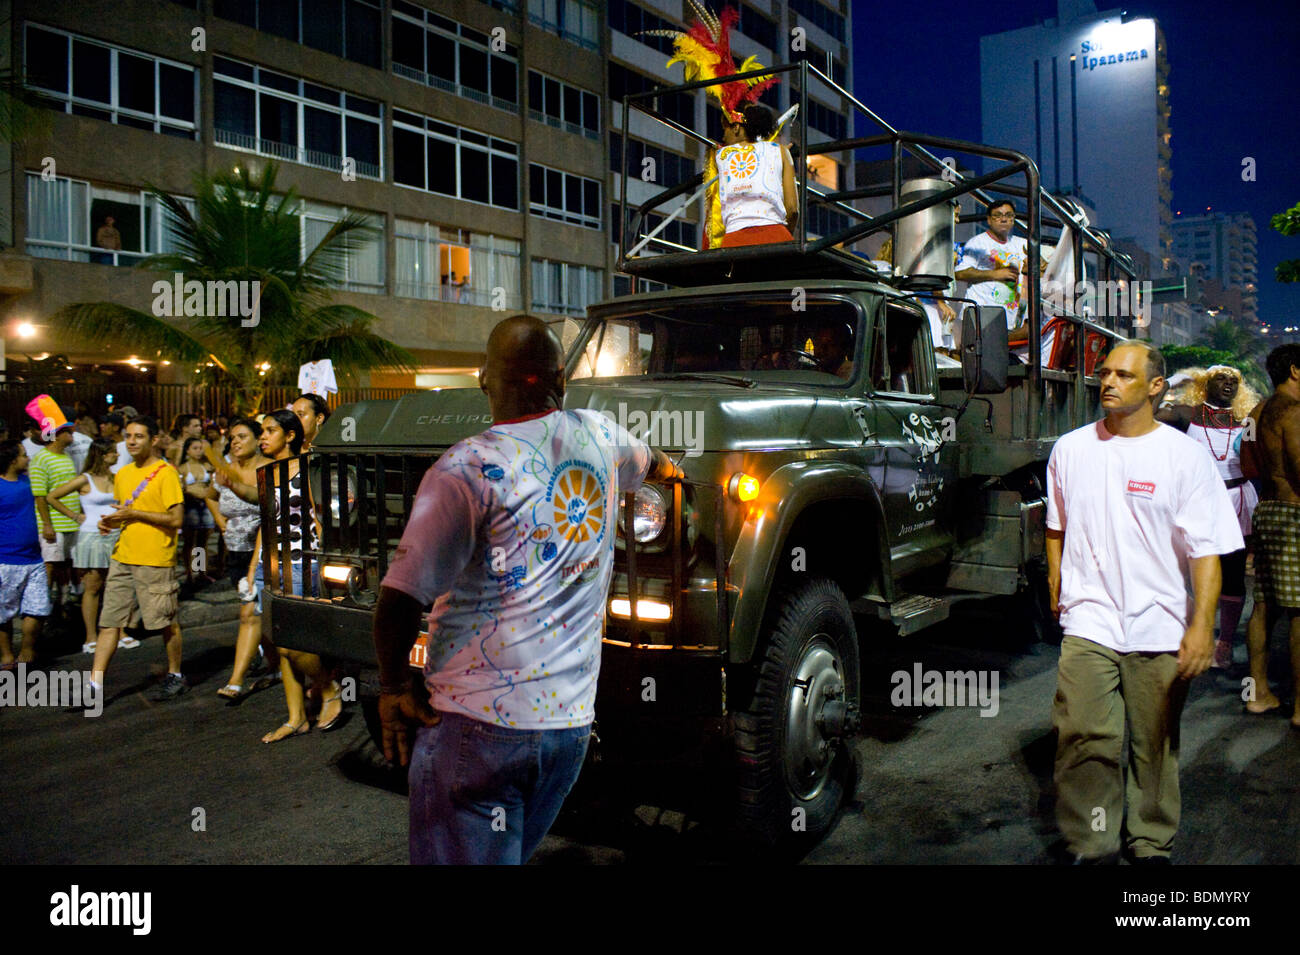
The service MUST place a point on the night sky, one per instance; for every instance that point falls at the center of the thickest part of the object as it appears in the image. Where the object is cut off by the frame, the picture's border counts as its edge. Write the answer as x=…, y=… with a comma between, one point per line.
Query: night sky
x=1234, y=75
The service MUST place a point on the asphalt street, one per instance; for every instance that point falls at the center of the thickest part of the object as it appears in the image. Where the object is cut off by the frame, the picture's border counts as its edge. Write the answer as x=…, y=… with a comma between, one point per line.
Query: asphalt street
x=190, y=782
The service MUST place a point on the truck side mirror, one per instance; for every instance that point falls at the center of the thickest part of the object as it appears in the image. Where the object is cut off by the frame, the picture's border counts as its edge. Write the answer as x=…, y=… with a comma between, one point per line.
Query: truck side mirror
x=984, y=349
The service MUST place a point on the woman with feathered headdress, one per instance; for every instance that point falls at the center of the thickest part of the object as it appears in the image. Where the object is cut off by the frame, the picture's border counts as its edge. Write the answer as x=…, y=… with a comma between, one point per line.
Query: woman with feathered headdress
x=1211, y=405
x=753, y=201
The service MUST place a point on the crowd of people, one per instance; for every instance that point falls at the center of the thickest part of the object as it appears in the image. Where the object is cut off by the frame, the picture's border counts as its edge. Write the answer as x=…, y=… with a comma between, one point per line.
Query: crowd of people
x=91, y=509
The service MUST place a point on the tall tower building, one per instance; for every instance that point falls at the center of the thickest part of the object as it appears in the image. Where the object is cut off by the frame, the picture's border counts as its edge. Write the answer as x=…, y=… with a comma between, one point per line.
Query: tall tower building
x=1086, y=96
x=1223, y=247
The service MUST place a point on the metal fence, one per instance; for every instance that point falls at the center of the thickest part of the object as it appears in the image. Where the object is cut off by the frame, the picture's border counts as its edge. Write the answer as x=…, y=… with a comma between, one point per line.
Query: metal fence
x=162, y=401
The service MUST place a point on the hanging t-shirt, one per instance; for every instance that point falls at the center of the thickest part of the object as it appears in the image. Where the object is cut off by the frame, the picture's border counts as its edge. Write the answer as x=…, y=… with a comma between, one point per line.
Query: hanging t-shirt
x=986, y=253
x=1134, y=511
x=750, y=177
x=48, y=470
x=317, y=378
x=511, y=538
x=79, y=449
x=123, y=458
x=141, y=543
x=19, y=539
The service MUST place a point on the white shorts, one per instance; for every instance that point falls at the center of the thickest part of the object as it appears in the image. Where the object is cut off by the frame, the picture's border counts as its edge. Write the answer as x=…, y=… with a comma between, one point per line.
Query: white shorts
x=61, y=549
x=25, y=590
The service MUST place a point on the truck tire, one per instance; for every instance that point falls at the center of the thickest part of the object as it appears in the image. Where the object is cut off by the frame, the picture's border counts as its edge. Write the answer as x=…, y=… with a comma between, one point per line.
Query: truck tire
x=795, y=771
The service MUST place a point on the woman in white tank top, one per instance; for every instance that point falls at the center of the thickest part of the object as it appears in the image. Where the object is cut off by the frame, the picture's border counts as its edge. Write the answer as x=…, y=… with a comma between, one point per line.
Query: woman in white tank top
x=755, y=182
x=92, y=550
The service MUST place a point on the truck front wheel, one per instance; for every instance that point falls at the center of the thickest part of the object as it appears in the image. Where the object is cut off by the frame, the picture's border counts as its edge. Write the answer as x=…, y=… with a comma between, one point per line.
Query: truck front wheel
x=794, y=758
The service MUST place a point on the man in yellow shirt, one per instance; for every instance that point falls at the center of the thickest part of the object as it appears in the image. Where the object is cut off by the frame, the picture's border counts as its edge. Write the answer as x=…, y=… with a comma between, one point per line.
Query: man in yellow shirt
x=141, y=582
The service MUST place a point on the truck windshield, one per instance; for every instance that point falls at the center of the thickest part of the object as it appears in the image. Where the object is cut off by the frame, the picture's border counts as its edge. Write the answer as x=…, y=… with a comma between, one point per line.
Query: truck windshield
x=764, y=340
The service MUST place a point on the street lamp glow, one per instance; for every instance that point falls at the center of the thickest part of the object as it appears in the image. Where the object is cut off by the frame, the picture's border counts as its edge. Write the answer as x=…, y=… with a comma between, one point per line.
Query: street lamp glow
x=26, y=330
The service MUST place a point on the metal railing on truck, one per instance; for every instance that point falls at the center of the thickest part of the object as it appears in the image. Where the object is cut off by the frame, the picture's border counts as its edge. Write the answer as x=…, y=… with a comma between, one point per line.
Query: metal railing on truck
x=810, y=256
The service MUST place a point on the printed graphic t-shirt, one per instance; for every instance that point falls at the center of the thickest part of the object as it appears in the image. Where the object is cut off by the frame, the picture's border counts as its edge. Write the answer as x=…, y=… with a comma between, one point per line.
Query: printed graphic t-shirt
x=986, y=253
x=511, y=537
x=48, y=470
x=317, y=378
x=19, y=541
x=141, y=543
x=1134, y=511
x=750, y=185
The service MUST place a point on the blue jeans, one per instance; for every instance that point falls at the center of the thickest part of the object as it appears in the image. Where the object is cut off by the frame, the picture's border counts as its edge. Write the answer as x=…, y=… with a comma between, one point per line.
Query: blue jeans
x=486, y=795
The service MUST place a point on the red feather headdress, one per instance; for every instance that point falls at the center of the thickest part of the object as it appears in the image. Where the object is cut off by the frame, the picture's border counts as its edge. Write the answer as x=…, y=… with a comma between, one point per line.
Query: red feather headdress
x=704, y=50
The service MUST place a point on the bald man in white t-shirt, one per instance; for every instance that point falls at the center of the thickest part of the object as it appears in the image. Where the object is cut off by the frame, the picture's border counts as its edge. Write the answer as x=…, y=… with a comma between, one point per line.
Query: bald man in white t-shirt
x=1134, y=508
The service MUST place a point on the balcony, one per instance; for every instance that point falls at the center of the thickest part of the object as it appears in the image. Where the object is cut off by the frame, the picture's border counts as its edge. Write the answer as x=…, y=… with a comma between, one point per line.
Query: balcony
x=456, y=89
x=539, y=117
x=291, y=153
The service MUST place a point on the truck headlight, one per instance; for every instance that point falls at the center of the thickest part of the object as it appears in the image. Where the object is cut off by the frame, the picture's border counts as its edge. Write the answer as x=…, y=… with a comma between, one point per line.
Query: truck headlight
x=649, y=514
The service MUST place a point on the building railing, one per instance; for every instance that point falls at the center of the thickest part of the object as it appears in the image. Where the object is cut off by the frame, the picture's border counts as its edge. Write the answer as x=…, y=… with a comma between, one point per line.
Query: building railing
x=291, y=153
x=554, y=121
x=456, y=89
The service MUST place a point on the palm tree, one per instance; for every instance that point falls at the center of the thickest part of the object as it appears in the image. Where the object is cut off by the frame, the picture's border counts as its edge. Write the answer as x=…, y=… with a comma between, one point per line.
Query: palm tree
x=244, y=231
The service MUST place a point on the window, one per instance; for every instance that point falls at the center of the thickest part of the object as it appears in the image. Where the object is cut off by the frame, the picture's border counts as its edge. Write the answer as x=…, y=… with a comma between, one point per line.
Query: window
x=456, y=265
x=441, y=158
x=563, y=106
x=669, y=169
x=562, y=196
x=677, y=106
x=347, y=28
x=820, y=16
x=431, y=49
x=564, y=288
x=575, y=20
x=899, y=363
x=826, y=120
x=678, y=231
x=361, y=268
x=823, y=61
x=633, y=21
x=92, y=79
x=277, y=115
x=74, y=220
x=758, y=28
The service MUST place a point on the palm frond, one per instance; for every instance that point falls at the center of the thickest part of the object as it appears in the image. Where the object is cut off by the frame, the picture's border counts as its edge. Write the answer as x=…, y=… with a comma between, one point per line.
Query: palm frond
x=105, y=323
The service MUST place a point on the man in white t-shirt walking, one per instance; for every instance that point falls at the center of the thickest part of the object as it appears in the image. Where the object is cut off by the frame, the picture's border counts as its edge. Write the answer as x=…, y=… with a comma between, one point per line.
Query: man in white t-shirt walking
x=1134, y=507
x=511, y=539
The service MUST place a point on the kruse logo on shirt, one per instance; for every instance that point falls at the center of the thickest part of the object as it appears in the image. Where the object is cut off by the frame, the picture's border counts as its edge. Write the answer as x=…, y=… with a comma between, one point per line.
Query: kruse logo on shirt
x=1142, y=487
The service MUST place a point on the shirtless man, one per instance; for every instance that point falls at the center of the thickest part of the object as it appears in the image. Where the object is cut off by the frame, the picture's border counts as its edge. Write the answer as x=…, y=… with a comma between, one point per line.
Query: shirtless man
x=1275, y=457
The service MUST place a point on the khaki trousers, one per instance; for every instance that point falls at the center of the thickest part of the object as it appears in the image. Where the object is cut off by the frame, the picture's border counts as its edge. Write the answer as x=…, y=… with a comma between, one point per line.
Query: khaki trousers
x=1098, y=690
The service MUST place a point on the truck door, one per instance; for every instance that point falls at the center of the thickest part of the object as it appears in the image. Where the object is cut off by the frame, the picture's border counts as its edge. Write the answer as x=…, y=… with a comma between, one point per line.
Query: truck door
x=912, y=428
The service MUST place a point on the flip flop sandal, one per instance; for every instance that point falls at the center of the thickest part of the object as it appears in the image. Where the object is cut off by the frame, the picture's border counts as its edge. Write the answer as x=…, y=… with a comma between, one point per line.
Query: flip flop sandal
x=326, y=727
x=232, y=693
x=128, y=643
x=300, y=730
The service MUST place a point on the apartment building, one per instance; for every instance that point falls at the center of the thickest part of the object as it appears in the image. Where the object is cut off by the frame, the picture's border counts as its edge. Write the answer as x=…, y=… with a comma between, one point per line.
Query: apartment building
x=479, y=137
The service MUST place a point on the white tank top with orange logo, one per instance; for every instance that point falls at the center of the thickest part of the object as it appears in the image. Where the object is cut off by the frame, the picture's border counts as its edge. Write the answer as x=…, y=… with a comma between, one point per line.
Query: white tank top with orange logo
x=750, y=185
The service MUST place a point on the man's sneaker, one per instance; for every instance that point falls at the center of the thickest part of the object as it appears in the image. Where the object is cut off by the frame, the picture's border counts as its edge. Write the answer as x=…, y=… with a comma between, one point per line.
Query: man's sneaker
x=171, y=687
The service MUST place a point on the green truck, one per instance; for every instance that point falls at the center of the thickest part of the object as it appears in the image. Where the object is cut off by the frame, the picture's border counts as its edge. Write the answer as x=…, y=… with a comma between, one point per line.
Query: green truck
x=842, y=479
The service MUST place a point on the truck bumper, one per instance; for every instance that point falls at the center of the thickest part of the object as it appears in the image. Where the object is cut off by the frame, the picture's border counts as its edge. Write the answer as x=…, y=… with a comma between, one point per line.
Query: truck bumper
x=323, y=627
